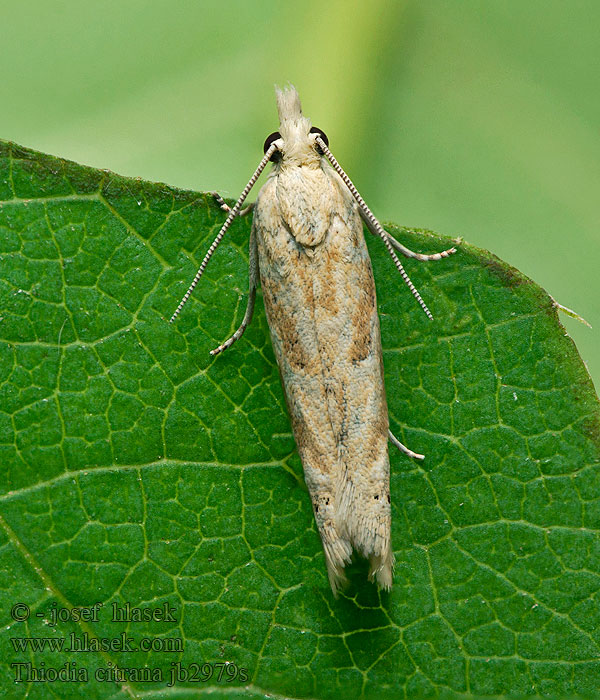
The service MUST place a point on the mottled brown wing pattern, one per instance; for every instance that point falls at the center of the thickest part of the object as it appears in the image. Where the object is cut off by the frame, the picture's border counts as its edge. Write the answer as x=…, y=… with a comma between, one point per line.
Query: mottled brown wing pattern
x=322, y=312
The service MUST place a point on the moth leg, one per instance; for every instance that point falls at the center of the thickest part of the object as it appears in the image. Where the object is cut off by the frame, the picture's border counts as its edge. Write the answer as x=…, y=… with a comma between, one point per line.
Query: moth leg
x=403, y=249
x=225, y=207
x=403, y=448
x=253, y=281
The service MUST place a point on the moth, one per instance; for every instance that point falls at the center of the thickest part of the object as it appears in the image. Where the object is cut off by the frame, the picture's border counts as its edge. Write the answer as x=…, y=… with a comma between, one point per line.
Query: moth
x=307, y=248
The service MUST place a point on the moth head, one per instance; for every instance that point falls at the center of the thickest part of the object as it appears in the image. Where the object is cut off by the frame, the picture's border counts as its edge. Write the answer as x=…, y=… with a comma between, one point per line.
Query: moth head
x=296, y=140
x=276, y=137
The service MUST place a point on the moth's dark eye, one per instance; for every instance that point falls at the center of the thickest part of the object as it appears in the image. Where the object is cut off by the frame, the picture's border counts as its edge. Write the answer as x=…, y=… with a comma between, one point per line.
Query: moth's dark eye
x=269, y=140
x=323, y=135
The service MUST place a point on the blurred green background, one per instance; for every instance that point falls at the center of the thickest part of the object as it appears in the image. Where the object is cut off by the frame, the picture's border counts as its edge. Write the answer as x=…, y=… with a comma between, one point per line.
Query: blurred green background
x=471, y=117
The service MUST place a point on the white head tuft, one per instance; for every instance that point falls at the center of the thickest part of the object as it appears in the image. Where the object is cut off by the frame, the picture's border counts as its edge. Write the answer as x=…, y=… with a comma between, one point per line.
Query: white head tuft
x=288, y=104
x=294, y=128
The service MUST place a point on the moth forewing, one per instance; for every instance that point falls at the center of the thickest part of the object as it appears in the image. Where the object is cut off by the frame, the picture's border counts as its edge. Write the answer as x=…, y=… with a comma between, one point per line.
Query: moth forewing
x=308, y=248
x=322, y=314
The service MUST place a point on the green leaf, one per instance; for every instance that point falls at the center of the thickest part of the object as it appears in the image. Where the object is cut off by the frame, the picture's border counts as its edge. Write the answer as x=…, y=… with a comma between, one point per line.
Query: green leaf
x=136, y=468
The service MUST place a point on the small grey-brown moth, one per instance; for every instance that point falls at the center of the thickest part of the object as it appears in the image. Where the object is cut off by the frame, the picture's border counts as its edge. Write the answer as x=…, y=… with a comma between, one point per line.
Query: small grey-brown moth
x=308, y=248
